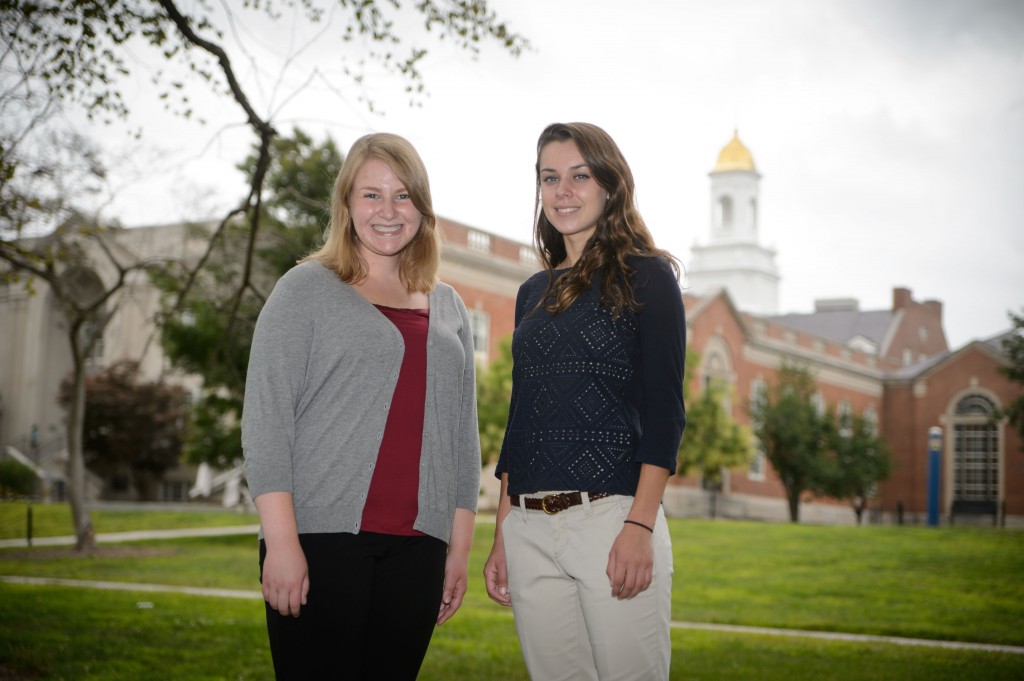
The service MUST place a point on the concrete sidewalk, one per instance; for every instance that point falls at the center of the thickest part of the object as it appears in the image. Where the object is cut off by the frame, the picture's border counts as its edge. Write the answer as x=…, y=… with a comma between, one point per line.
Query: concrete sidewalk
x=852, y=638
x=139, y=535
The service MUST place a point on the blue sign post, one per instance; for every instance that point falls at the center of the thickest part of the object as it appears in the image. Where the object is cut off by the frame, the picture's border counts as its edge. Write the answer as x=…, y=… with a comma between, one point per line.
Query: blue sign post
x=934, y=460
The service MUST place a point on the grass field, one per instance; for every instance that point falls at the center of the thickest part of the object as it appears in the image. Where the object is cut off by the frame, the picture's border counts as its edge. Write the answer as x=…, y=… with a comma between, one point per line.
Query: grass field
x=949, y=583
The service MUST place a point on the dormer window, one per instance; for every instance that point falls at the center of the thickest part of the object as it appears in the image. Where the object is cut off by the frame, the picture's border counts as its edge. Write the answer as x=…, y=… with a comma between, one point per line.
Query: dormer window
x=478, y=241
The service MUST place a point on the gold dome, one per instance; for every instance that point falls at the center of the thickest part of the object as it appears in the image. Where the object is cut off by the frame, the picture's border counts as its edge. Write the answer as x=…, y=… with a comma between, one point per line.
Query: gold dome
x=734, y=156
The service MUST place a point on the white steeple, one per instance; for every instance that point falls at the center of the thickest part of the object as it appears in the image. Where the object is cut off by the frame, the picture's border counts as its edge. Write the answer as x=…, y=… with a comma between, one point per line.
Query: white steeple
x=734, y=259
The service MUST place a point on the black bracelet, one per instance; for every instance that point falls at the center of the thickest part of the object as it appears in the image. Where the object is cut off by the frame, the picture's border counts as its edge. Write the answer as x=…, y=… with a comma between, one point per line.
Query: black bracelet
x=633, y=522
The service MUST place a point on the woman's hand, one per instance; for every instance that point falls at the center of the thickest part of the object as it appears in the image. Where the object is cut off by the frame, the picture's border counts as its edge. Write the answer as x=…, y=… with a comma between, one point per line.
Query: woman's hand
x=495, y=569
x=285, y=579
x=285, y=572
x=456, y=577
x=456, y=565
x=631, y=562
x=496, y=574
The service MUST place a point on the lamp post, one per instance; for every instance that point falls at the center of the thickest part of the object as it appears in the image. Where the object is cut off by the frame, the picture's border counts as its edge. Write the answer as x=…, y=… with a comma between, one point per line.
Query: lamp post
x=934, y=459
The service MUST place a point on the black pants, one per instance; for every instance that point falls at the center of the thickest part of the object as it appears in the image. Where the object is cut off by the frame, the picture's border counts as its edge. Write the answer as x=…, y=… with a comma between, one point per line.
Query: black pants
x=372, y=604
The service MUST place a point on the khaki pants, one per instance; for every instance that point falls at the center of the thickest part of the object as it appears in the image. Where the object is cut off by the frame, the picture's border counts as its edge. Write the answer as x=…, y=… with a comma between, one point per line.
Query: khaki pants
x=569, y=625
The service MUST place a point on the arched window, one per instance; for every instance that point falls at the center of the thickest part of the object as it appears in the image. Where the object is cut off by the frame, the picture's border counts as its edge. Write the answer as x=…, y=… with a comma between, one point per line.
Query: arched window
x=723, y=212
x=716, y=371
x=975, y=450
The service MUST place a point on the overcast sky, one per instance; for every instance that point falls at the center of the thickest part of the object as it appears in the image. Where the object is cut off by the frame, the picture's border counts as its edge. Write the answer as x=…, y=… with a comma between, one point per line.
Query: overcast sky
x=889, y=133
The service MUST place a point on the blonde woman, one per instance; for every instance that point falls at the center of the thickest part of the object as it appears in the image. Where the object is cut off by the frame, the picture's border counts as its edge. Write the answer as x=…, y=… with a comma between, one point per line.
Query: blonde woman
x=360, y=434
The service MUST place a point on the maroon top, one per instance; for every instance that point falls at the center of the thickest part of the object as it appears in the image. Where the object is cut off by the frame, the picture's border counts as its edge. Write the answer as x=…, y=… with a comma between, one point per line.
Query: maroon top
x=391, y=504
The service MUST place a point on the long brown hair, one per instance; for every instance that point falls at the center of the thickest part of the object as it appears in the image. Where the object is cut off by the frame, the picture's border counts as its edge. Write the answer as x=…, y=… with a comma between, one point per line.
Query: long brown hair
x=419, y=261
x=620, y=231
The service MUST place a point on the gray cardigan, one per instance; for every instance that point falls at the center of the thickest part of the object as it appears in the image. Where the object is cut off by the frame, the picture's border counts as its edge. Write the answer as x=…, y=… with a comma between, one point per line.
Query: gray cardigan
x=322, y=370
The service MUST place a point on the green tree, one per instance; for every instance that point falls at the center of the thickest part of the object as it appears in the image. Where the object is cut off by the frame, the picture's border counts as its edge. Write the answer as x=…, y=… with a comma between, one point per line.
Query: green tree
x=131, y=424
x=16, y=478
x=493, y=394
x=713, y=441
x=210, y=330
x=856, y=461
x=792, y=434
x=1013, y=346
x=75, y=54
x=70, y=260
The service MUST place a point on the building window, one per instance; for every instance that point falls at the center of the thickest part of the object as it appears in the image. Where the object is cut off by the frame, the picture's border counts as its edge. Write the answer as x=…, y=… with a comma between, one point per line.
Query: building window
x=845, y=418
x=871, y=421
x=753, y=213
x=758, y=390
x=480, y=323
x=975, y=450
x=862, y=344
x=818, y=400
x=714, y=369
x=175, y=490
x=908, y=357
x=478, y=241
x=758, y=466
x=527, y=255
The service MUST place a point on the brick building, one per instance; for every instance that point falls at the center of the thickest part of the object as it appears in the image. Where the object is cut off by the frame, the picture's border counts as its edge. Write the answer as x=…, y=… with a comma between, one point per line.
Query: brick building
x=484, y=268
x=893, y=366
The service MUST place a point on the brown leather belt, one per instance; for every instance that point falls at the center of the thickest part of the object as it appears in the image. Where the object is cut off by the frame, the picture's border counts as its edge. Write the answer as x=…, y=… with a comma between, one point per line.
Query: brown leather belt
x=554, y=503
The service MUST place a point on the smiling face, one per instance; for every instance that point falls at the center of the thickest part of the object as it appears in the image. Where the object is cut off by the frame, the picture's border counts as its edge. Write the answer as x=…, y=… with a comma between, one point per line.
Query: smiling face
x=382, y=210
x=571, y=198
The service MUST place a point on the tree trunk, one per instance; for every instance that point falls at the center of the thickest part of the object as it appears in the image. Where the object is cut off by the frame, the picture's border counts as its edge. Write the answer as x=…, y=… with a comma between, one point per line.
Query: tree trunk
x=145, y=486
x=859, y=505
x=793, y=497
x=85, y=537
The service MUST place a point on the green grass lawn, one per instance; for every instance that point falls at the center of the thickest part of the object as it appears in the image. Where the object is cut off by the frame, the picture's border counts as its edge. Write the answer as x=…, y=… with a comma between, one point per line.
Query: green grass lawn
x=54, y=520
x=946, y=583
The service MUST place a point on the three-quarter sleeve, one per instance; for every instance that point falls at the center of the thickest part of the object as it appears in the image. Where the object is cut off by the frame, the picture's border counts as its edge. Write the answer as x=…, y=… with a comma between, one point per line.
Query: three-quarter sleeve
x=274, y=380
x=502, y=465
x=468, y=438
x=662, y=328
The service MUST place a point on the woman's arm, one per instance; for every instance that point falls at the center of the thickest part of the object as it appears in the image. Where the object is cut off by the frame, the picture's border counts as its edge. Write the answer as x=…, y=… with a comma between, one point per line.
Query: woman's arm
x=285, y=574
x=631, y=560
x=495, y=572
x=456, y=566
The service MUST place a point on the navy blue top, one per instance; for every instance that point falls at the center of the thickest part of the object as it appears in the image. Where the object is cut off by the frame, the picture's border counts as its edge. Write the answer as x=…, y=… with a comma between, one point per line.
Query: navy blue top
x=594, y=397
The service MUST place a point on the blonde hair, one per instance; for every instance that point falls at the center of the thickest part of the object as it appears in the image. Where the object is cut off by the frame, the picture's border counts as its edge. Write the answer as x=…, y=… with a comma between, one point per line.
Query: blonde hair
x=419, y=261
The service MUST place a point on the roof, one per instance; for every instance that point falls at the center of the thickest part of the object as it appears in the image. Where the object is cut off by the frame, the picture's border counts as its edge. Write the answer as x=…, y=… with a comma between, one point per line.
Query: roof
x=734, y=156
x=841, y=325
x=993, y=346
